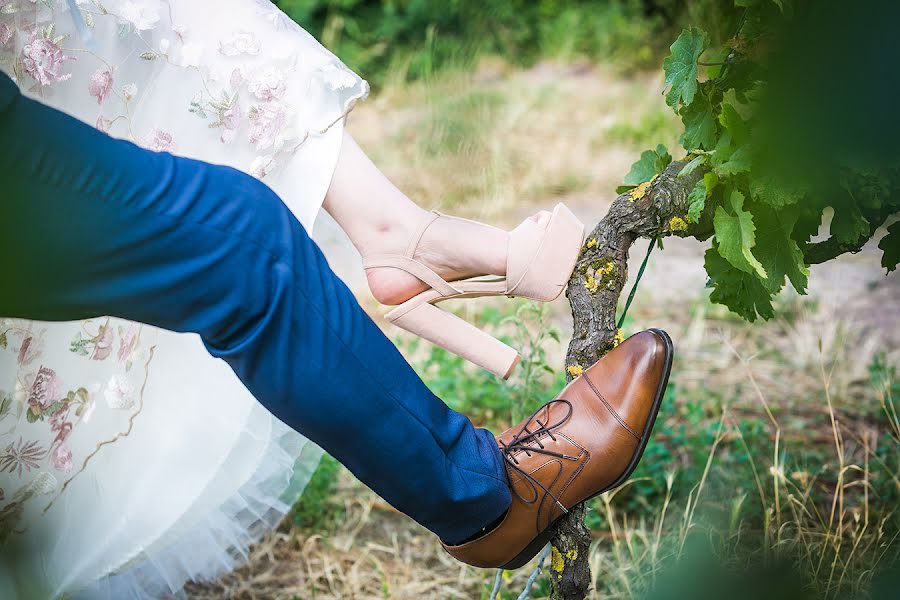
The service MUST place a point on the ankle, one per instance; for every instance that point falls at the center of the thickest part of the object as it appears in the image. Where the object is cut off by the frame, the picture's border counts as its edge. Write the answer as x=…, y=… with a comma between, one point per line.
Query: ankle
x=390, y=233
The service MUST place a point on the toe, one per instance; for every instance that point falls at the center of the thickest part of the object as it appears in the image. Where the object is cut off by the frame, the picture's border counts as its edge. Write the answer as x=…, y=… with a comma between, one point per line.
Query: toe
x=542, y=218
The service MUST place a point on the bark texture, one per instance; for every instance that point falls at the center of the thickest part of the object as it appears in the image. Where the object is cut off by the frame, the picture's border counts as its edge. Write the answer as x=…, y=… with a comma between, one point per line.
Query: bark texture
x=654, y=210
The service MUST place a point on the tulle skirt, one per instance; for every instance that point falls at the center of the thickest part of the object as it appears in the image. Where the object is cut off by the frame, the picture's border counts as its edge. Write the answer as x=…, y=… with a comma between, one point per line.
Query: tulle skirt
x=130, y=460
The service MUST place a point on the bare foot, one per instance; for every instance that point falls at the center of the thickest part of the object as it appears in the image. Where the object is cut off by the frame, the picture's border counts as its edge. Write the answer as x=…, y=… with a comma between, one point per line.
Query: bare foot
x=453, y=248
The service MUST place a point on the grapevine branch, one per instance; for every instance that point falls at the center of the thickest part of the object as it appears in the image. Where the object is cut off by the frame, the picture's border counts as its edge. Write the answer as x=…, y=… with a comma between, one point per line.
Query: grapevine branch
x=593, y=292
x=831, y=248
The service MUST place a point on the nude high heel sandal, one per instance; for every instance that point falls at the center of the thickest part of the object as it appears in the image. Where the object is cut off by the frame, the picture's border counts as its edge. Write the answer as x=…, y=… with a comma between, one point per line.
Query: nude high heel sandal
x=538, y=265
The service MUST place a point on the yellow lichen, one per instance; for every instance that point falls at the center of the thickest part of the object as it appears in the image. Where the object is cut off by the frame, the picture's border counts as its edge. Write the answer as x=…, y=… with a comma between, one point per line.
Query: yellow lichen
x=591, y=243
x=618, y=338
x=591, y=284
x=575, y=370
x=676, y=223
x=606, y=270
x=639, y=192
x=557, y=563
x=572, y=554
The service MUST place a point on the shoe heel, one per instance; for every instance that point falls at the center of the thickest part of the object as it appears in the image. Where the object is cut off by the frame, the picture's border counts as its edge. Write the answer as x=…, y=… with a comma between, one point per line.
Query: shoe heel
x=456, y=335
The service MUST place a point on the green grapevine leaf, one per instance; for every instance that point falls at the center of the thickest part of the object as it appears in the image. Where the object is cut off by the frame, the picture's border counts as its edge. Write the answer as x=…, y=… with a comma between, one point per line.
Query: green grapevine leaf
x=779, y=254
x=733, y=123
x=890, y=244
x=807, y=224
x=699, y=194
x=699, y=125
x=743, y=293
x=680, y=66
x=735, y=234
x=692, y=165
x=848, y=225
x=737, y=162
x=651, y=163
x=772, y=193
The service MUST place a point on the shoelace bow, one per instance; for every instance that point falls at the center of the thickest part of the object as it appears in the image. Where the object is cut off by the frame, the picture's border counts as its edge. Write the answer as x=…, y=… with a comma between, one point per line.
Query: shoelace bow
x=522, y=441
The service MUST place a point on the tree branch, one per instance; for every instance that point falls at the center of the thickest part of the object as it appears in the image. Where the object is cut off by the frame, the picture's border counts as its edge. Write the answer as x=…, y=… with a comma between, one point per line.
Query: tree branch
x=819, y=252
x=593, y=292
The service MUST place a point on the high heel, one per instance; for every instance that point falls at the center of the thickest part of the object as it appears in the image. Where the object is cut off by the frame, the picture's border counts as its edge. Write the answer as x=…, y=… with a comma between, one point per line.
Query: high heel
x=538, y=265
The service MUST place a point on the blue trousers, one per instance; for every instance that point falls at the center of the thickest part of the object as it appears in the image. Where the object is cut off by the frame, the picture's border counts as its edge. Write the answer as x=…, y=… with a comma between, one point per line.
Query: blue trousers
x=94, y=226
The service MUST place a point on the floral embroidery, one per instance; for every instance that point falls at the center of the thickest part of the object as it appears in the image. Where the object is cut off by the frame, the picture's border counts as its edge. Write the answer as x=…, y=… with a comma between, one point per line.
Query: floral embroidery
x=159, y=141
x=62, y=458
x=269, y=85
x=6, y=34
x=43, y=59
x=240, y=42
x=128, y=339
x=119, y=393
x=266, y=122
x=21, y=455
x=231, y=121
x=98, y=347
x=43, y=483
x=22, y=356
x=142, y=17
x=129, y=91
x=262, y=166
x=41, y=393
x=101, y=85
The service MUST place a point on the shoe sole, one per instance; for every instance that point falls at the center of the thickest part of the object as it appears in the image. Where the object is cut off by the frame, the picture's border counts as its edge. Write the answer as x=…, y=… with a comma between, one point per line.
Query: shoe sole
x=541, y=540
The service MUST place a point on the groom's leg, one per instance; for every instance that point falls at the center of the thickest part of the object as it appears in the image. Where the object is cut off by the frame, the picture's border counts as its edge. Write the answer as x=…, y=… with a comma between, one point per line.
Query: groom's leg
x=95, y=226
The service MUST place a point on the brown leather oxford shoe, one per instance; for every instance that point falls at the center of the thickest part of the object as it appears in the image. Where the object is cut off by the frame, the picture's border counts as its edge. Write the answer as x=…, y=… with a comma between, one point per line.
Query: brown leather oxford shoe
x=585, y=442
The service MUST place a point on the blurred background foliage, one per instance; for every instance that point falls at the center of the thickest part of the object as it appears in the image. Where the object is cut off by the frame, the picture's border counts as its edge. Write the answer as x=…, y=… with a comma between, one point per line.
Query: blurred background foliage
x=410, y=39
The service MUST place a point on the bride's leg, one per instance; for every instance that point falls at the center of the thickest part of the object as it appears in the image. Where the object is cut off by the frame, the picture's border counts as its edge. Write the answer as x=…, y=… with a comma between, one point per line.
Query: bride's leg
x=98, y=226
x=380, y=219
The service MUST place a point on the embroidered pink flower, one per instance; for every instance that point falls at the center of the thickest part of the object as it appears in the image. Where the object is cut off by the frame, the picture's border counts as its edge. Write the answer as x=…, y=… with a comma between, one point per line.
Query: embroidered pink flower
x=103, y=343
x=62, y=458
x=236, y=79
x=262, y=166
x=101, y=85
x=119, y=393
x=266, y=122
x=60, y=425
x=159, y=141
x=128, y=342
x=129, y=91
x=6, y=34
x=22, y=356
x=269, y=85
x=43, y=60
x=231, y=120
x=44, y=389
x=240, y=42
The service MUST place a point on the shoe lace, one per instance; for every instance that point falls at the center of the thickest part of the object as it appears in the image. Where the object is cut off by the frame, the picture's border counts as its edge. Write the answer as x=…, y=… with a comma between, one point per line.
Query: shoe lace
x=523, y=440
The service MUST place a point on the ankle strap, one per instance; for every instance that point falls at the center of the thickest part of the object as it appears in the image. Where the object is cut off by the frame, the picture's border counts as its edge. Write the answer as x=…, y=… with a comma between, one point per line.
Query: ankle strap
x=417, y=236
x=414, y=268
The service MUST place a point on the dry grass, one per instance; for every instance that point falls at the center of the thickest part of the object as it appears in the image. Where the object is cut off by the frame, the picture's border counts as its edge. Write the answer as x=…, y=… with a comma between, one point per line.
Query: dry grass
x=493, y=143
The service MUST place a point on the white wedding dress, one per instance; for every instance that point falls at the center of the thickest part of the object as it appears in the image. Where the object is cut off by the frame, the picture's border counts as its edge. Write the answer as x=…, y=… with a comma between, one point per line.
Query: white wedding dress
x=130, y=460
